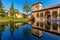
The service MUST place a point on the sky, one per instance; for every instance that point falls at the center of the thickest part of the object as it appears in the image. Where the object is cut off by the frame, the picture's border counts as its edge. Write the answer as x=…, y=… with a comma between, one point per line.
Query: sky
x=18, y=4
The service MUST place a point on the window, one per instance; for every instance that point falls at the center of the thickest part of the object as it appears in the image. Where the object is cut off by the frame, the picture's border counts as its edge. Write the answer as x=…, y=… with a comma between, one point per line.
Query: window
x=37, y=14
x=37, y=6
x=37, y=23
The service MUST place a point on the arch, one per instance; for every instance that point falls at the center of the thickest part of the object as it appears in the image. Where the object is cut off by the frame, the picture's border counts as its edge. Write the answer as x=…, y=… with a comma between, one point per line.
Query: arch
x=48, y=18
x=47, y=12
x=47, y=15
x=47, y=27
x=54, y=20
x=54, y=15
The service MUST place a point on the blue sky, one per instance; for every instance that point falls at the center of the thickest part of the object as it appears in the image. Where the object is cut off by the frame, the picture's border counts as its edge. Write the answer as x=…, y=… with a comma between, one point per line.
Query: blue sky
x=18, y=4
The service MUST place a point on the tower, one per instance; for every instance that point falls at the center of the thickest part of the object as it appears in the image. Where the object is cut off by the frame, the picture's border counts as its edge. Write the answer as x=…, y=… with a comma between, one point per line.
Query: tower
x=37, y=6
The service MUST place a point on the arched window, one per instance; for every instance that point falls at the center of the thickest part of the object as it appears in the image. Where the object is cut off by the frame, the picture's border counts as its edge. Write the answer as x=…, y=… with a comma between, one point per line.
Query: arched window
x=37, y=14
x=41, y=14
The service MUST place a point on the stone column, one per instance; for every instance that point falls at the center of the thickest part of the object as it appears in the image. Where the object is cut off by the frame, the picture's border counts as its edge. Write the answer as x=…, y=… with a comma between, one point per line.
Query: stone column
x=44, y=20
x=51, y=19
x=58, y=18
x=39, y=20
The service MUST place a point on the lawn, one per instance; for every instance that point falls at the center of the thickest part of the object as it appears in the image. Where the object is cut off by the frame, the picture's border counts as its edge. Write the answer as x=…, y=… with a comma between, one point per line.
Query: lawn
x=6, y=19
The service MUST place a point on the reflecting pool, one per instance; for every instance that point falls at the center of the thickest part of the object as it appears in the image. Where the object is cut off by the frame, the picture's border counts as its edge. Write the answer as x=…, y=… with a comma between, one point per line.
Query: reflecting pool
x=24, y=31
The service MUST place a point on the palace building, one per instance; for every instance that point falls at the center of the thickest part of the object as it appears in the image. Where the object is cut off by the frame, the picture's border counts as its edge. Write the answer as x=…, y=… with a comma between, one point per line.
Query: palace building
x=48, y=17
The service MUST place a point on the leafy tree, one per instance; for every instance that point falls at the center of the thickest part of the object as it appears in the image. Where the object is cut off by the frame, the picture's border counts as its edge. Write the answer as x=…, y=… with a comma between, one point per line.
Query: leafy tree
x=27, y=8
x=1, y=9
x=12, y=10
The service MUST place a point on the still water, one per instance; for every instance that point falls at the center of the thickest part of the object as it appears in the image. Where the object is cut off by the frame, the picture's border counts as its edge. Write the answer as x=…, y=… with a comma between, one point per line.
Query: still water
x=23, y=31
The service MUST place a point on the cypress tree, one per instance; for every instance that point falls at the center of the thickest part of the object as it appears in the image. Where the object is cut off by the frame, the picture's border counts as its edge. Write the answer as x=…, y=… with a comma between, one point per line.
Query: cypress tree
x=12, y=9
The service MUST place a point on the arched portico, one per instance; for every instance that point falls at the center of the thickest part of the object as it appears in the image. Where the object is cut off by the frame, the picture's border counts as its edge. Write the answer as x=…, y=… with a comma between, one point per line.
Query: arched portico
x=48, y=18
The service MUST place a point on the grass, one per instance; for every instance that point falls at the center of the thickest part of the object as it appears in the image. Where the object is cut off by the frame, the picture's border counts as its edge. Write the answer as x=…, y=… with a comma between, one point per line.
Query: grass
x=14, y=19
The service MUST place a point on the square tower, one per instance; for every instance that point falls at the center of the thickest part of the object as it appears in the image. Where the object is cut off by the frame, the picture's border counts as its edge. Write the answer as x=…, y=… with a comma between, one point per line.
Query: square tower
x=37, y=6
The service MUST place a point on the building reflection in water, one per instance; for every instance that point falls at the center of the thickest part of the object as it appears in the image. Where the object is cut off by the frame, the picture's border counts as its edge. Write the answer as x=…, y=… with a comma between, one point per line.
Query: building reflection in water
x=36, y=32
x=51, y=26
x=36, y=29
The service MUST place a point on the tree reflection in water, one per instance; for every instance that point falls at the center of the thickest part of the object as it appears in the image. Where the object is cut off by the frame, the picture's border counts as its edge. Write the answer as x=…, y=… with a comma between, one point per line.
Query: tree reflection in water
x=2, y=29
x=26, y=31
x=13, y=27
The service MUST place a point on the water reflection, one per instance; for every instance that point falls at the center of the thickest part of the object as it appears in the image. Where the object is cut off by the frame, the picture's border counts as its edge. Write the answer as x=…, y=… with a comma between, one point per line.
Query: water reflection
x=21, y=31
x=30, y=30
x=48, y=25
x=26, y=31
x=2, y=29
x=37, y=32
x=12, y=28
